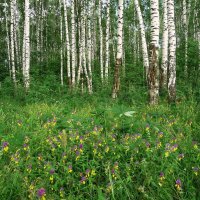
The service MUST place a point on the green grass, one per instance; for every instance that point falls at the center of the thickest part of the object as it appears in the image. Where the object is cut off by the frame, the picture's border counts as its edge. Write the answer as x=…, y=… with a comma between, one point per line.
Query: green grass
x=116, y=150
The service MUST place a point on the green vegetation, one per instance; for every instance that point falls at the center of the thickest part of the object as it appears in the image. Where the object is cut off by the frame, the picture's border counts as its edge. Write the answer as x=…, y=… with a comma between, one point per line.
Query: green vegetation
x=96, y=148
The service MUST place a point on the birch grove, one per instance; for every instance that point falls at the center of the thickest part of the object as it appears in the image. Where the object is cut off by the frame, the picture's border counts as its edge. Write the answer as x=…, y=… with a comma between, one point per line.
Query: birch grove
x=92, y=44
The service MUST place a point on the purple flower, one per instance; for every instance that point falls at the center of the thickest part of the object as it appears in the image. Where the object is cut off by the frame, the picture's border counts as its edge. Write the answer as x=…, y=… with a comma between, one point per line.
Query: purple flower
x=178, y=183
x=52, y=171
x=83, y=179
x=161, y=174
x=81, y=146
x=41, y=192
x=5, y=144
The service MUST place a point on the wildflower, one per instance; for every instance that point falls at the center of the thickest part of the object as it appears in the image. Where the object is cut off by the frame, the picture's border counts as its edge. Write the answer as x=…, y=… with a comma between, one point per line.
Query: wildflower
x=195, y=170
x=5, y=146
x=26, y=147
x=195, y=145
x=41, y=193
x=161, y=178
x=83, y=180
x=147, y=127
x=87, y=172
x=160, y=134
x=70, y=169
x=81, y=147
x=158, y=144
x=113, y=174
x=174, y=147
x=29, y=168
x=62, y=192
x=178, y=185
x=93, y=173
x=109, y=187
x=180, y=156
x=107, y=149
x=77, y=155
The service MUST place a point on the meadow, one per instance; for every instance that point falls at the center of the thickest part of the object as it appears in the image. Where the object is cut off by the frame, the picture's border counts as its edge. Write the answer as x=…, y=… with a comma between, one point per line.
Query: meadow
x=92, y=147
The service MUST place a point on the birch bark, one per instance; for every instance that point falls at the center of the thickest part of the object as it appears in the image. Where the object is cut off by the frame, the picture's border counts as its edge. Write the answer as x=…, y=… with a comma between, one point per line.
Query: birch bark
x=118, y=64
x=68, y=44
x=153, y=74
x=143, y=37
x=101, y=41
x=107, y=39
x=164, y=64
x=172, y=52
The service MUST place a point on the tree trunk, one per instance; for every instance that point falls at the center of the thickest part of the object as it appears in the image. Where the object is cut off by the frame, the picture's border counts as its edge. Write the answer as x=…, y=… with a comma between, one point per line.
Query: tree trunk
x=172, y=52
x=61, y=44
x=118, y=64
x=68, y=45
x=143, y=37
x=107, y=39
x=73, y=43
x=185, y=29
x=101, y=41
x=153, y=74
x=12, y=43
x=26, y=42
x=164, y=64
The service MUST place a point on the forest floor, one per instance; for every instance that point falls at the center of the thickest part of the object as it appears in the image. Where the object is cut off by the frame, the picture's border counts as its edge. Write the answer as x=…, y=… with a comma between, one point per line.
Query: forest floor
x=97, y=149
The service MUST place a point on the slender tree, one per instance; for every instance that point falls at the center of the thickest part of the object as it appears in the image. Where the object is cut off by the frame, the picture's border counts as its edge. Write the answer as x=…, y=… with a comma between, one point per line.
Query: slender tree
x=118, y=63
x=172, y=52
x=26, y=48
x=164, y=62
x=107, y=39
x=143, y=37
x=153, y=74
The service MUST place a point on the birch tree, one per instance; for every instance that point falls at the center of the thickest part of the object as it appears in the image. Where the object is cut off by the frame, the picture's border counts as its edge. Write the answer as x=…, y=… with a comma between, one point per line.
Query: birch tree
x=172, y=52
x=73, y=43
x=153, y=74
x=26, y=48
x=164, y=62
x=61, y=43
x=107, y=39
x=12, y=43
x=118, y=62
x=143, y=37
x=185, y=28
x=101, y=41
x=67, y=44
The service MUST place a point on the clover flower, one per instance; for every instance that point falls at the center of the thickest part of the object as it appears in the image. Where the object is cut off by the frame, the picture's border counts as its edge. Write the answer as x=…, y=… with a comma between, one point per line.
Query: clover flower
x=41, y=193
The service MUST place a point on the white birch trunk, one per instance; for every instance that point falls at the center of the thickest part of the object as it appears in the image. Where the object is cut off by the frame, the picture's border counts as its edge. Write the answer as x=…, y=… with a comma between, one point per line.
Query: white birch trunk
x=12, y=43
x=89, y=45
x=153, y=74
x=107, y=40
x=164, y=62
x=118, y=63
x=101, y=41
x=61, y=44
x=7, y=41
x=26, y=50
x=143, y=37
x=185, y=29
x=68, y=44
x=73, y=44
x=172, y=52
